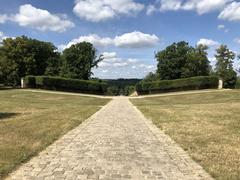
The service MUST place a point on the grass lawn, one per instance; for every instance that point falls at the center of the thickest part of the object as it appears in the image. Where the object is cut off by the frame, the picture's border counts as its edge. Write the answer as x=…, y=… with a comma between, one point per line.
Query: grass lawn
x=206, y=125
x=29, y=122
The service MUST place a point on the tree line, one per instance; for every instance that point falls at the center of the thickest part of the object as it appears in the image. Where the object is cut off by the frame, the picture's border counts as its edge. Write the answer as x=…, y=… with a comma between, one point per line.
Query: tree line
x=180, y=60
x=24, y=56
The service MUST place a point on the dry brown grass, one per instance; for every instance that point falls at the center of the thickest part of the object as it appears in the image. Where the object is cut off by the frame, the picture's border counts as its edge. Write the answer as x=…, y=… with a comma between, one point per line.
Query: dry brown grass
x=29, y=122
x=207, y=126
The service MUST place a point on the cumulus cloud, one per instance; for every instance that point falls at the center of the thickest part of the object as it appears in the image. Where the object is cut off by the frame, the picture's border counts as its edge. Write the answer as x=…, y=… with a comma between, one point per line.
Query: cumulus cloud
x=3, y=18
x=136, y=40
x=205, y=6
x=128, y=40
x=96, y=11
x=112, y=60
x=109, y=55
x=114, y=66
x=208, y=42
x=200, y=6
x=231, y=12
x=40, y=19
x=170, y=5
x=92, y=38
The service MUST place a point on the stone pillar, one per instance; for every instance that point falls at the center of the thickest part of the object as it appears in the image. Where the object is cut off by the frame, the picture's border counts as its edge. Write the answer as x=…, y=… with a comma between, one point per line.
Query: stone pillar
x=23, y=85
x=220, y=85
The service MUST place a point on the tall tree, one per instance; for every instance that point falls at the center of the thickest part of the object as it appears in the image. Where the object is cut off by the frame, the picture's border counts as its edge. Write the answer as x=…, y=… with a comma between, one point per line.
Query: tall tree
x=23, y=56
x=171, y=60
x=224, y=66
x=78, y=61
x=180, y=60
x=197, y=63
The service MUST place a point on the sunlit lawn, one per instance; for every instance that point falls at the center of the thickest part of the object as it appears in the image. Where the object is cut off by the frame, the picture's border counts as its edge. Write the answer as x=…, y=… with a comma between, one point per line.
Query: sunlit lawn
x=206, y=125
x=31, y=121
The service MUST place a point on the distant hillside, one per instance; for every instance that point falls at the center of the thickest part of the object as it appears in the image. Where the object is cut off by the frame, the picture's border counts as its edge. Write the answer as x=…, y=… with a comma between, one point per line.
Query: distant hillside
x=121, y=86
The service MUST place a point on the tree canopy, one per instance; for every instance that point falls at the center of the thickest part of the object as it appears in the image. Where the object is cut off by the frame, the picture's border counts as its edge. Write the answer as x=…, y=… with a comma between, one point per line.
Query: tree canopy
x=180, y=60
x=24, y=56
x=78, y=61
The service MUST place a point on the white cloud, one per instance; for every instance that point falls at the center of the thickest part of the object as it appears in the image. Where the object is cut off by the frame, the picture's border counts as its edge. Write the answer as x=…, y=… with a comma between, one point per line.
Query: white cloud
x=170, y=5
x=3, y=18
x=96, y=10
x=117, y=67
x=109, y=55
x=128, y=40
x=205, y=6
x=200, y=6
x=114, y=61
x=92, y=38
x=208, y=42
x=231, y=12
x=146, y=66
x=151, y=9
x=136, y=40
x=111, y=60
x=40, y=19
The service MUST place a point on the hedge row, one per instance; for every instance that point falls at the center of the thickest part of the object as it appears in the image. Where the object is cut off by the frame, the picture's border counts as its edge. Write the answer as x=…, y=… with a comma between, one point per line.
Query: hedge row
x=194, y=83
x=63, y=84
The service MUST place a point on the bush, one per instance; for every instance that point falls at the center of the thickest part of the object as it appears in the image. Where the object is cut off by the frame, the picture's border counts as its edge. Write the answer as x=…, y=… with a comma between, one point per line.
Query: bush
x=63, y=84
x=194, y=83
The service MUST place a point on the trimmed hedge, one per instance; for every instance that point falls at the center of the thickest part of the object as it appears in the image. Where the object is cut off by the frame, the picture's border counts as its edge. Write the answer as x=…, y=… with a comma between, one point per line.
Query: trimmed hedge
x=194, y=83
x=30, y=81
x=64, y=84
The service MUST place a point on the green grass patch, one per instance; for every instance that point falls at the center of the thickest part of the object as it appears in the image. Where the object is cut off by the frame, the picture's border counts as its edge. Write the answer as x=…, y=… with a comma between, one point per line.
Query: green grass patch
x=206, y=125
x=29, y=122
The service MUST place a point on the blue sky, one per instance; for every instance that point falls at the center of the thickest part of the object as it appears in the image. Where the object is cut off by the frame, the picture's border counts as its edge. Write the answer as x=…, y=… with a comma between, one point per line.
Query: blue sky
x=127, y=32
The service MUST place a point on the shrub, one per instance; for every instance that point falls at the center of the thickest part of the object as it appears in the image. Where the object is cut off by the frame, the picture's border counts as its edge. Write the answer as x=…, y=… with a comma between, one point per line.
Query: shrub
x=194, y=83
x=74, y=85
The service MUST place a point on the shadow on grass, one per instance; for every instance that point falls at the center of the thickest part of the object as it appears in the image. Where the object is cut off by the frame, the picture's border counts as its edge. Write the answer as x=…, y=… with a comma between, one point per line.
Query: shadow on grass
x=2, y=88
x=7, y=115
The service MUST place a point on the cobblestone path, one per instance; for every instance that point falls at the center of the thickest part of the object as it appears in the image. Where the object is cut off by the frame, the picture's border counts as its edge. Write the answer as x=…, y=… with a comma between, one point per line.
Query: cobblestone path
x=115, y=143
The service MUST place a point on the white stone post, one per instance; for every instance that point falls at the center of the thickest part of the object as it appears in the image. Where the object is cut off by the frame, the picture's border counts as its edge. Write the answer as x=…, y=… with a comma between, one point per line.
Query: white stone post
x=22, y=83
x=220, y=84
